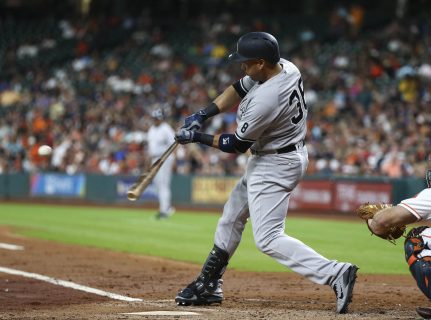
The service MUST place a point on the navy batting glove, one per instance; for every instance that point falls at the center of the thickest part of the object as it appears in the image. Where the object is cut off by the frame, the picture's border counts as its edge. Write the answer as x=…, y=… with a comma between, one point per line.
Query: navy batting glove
x=184, y=136
x=195, y=121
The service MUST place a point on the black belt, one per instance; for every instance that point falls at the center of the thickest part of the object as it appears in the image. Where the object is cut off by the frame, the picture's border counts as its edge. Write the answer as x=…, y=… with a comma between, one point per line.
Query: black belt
x=286, y=149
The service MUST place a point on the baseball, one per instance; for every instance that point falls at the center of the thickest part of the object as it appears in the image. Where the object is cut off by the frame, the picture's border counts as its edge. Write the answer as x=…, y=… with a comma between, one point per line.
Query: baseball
x=44, y=150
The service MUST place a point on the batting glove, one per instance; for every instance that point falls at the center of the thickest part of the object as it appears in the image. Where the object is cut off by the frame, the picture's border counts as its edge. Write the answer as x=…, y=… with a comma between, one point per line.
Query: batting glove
x=184, y=136
x=195, y=121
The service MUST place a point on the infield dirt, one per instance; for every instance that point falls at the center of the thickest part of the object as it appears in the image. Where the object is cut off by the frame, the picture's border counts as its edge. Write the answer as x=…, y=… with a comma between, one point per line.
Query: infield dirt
x=248, y=295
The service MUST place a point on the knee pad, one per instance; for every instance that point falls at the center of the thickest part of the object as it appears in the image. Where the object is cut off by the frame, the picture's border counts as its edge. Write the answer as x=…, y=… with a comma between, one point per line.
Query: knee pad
x=421, y=271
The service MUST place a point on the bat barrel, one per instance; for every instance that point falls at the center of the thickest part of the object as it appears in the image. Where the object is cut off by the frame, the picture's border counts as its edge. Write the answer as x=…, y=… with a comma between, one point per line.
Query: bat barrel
x=136, y=190
x=132, y=195
x=145, y=179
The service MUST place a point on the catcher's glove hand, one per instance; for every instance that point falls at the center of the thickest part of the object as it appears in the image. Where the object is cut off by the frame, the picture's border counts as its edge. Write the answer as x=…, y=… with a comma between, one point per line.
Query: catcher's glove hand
x=368, y=211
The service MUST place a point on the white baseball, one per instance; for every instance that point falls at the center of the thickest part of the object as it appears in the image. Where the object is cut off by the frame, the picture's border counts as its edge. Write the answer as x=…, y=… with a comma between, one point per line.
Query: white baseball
x=44, y=150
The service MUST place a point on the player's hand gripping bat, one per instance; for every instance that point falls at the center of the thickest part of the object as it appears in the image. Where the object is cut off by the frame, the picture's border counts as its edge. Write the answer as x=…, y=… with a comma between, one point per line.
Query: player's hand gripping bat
x=145, y=179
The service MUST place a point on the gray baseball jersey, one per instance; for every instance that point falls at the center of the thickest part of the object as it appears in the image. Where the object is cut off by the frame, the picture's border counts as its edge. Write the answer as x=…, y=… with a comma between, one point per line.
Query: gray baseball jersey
x=159, y=139
x=272, y=115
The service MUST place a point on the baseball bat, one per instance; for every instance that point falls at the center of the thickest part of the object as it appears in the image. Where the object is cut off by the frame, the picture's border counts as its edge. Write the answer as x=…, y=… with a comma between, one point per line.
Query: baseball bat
x=145, y=179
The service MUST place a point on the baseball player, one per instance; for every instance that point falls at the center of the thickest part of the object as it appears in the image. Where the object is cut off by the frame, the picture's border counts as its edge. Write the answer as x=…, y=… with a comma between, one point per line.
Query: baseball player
x=159, y=139
x=271, y=122
x=417, y=246
x=406, y=212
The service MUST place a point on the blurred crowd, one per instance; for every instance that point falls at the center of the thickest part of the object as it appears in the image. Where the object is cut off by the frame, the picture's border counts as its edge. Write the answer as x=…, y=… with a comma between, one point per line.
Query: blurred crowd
x=368, y=94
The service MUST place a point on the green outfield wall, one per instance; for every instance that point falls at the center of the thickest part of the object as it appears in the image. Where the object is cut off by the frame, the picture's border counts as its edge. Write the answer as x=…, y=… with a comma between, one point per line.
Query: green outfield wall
x=342, y=194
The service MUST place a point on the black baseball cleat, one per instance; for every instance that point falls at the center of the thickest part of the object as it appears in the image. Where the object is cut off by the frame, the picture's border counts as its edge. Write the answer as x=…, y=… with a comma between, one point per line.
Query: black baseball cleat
x=162, y=215
x=424, y=312
x=343, y=288
x=165, y=215
x=196, y=294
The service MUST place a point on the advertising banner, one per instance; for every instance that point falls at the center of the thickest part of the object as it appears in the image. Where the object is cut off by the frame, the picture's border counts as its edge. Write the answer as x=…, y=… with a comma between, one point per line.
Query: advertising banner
x=58, y=185
x=123, y=185
x=313, y=195
x=350, y=195
x=212, y=190
x=324, y=195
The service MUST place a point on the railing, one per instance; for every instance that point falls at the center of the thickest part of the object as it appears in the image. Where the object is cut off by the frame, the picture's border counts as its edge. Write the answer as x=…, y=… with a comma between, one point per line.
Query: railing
x=313, y=193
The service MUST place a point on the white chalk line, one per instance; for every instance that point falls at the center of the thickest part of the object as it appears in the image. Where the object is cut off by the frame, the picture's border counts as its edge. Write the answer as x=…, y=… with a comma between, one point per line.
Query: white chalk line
x=68, y=284
x=162, y=313
x=9, y=246
x=163, y=302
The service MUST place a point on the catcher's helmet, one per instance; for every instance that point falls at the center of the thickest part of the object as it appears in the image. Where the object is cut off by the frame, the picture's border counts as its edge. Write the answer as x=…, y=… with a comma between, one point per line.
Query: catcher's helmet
x=256, y=45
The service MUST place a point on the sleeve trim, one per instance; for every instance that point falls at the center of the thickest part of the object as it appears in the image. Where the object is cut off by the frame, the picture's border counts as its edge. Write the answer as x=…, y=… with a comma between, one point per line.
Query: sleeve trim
x=239, y=88
x=411, y=210
x=243, y=139
x=242, y=86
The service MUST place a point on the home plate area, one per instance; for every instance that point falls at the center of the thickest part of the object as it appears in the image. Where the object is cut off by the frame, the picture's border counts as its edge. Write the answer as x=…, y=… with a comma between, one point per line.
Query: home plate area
x=163, y=313
x=146, y=287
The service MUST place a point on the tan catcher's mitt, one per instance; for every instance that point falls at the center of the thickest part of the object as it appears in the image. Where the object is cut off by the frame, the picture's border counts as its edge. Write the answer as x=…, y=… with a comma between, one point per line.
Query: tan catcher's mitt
x=368, y=211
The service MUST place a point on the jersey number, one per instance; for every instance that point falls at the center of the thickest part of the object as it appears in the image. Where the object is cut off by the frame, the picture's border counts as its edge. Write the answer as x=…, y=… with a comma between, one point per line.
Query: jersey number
x=244, y=127
x=300, y=104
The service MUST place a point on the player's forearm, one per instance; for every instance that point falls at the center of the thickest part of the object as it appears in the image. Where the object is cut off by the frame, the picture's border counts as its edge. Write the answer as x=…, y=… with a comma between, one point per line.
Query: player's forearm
x=227, y=99
x=207, y=139
x=216, y=141
x=222, y=103
x=225, y=142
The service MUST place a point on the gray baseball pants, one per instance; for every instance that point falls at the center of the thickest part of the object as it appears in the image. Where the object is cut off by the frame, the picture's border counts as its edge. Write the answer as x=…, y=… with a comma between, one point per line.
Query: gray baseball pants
x=262, y=195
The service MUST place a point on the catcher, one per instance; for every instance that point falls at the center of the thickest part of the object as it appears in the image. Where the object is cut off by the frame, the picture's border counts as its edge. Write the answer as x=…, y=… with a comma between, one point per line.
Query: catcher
x=417, y=247
x=389, y=222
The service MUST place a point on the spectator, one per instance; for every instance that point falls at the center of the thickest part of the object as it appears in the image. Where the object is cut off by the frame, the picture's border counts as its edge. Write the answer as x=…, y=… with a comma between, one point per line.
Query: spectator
x=365, y=96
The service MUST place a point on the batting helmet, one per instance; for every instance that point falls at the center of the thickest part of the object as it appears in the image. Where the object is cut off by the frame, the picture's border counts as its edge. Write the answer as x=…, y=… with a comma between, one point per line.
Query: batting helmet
x=256, y=45
x=158, y=114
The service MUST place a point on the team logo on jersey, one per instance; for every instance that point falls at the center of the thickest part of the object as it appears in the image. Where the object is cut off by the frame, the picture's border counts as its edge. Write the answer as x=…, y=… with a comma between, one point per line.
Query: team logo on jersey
x=243, y=107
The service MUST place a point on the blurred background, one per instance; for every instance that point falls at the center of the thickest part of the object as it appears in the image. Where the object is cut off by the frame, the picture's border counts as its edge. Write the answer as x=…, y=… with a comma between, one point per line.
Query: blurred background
x=84, y=77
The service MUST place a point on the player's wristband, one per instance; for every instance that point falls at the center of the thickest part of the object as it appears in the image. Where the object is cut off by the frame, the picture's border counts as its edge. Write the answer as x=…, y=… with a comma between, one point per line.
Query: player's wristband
x=211, y=110
x=226, y=143
x=203, y=138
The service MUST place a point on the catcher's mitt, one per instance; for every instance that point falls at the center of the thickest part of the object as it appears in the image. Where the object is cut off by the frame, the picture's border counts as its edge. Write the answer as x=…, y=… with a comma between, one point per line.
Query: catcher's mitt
x=368, y=211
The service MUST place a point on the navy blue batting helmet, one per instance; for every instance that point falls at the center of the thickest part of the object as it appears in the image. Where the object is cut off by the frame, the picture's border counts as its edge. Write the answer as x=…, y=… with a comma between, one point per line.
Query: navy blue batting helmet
x=158, y=114
x=256, y=45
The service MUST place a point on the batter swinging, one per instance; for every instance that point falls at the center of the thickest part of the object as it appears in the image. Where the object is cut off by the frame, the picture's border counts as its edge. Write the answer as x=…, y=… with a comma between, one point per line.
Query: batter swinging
x=272, y=123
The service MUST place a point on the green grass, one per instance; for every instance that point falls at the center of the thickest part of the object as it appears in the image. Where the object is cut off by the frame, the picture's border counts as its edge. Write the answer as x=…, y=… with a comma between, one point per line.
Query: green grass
x=189, y=236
